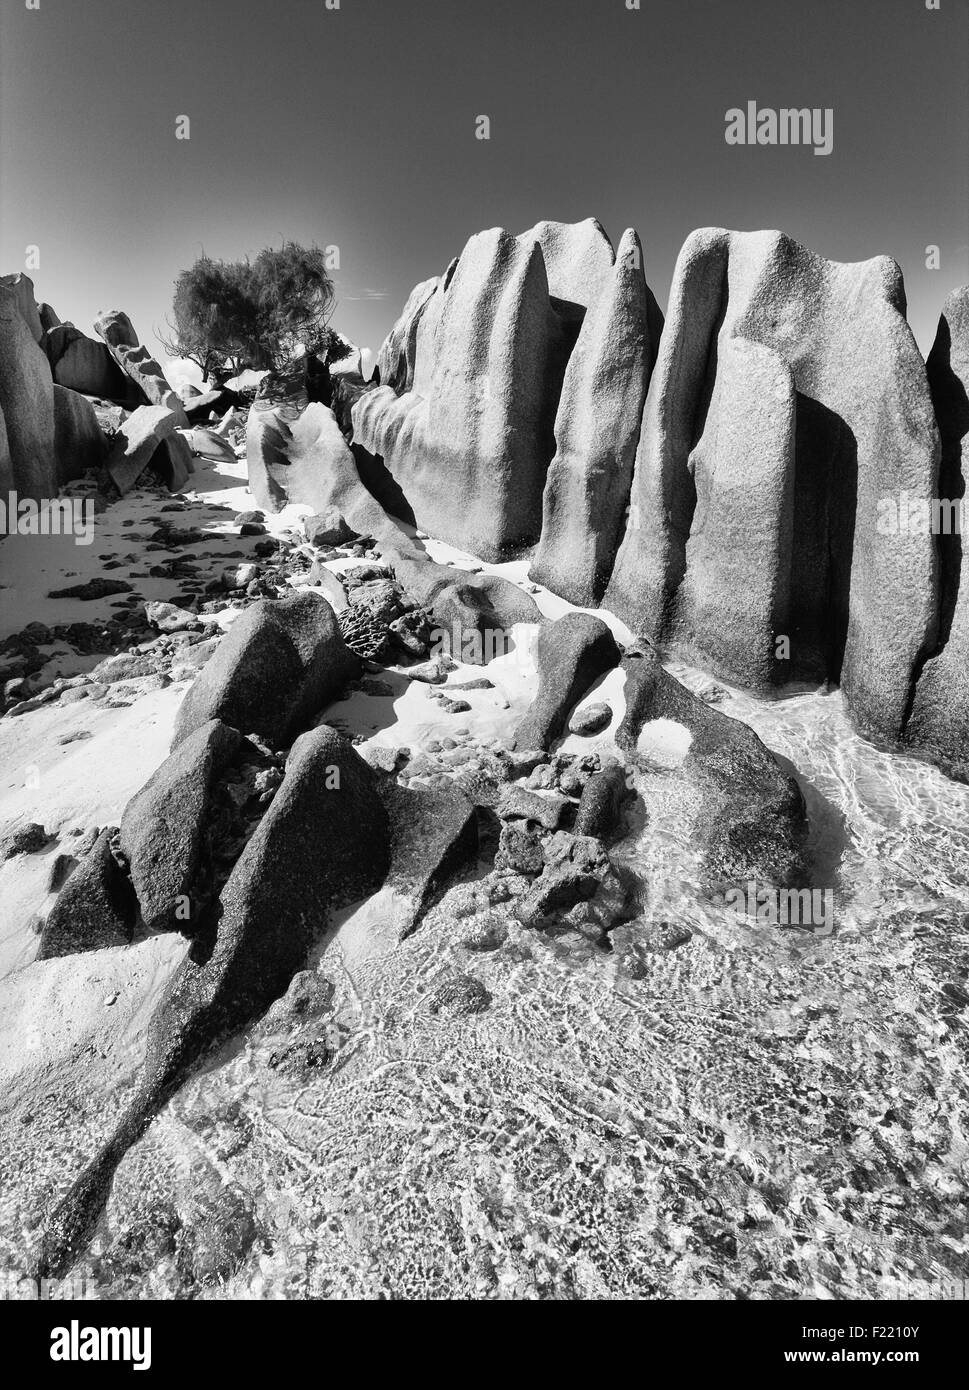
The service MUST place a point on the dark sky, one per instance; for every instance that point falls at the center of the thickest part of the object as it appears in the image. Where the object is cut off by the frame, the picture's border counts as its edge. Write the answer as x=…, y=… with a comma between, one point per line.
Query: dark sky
x=356, y=128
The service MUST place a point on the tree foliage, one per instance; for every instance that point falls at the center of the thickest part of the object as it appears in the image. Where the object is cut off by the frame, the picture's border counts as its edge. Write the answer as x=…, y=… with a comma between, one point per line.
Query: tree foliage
x=229, y=315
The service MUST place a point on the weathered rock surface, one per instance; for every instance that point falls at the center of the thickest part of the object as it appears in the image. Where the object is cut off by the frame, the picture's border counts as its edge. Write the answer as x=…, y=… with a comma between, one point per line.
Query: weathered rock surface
x=434, y=835
x=273, y=673
x=79, y=441
x=164, y=826
x=22, y=288
x=596, y=433
x=276, y=901
x=118, y=332
x=397, y=359
x=95, y=908
x=297, y=456
x=571, y=654
x=26, y=403
x=601, y=802
x=472, y=611
x=858, y=605
x=939, y=722
x=296, y=452
x=137, y=442
x=84, y=365
x=480, y=416
x=747, y=813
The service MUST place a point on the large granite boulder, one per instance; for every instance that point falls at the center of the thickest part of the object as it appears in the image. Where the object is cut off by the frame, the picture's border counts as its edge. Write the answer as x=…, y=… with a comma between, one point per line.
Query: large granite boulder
x=571, y=654
x=136, y=444
x=48, y=318
x=939, y=722
x=397, y=359
x=118, y=332
x=22, y=288
x=280, y=664
x=297, y=455
x=746, y=813
x=27, y=402
x=164, y=826
x=84, y=365
x=323, y=843
x=852, y=603
x=478, y=422
x=79, y=441
x=596, y=433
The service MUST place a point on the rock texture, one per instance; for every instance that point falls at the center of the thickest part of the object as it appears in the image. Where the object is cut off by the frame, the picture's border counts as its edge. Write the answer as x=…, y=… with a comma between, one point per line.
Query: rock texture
x=164, y=826
x=26, y=402
x=137, y=443
x=79, y=441
x=276, y=900
x=571, y=654
x=21, y=287
x=397, y=360
x=95, y=908
x=596, y=433
x=481, y=417
x=472, y=612
x=83, y=364
x=434, y=834
x=278, y=667
x=296, y=453
x=748, y=813
x=137, y=362
x=852, y=603
x=939, y=722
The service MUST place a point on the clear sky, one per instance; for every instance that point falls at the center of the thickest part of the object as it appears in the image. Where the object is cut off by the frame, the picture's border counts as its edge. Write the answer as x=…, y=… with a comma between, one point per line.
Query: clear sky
x=356, y=127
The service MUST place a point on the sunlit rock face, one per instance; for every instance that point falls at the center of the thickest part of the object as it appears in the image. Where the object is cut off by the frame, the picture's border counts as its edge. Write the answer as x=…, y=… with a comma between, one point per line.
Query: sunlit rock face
x=788, y=397
x=478, y=375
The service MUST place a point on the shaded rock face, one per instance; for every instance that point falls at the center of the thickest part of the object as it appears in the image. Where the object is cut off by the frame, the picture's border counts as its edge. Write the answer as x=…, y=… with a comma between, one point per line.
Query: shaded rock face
x=480, y=414
x=397, y=359
x=748, y=814
x=571, y=654
x=323, y=843
x=163, y=827
x=472, y=379
x=601, y=802
x=95, y=908
x=21, y=287
x=939, y=722
x=83, y=364
x=79, y=441
x=137, y=442
x=788, y=397
x=27, y=403
x=137, y=362
x=278, y=667
x=596, y=433
x=217, y=400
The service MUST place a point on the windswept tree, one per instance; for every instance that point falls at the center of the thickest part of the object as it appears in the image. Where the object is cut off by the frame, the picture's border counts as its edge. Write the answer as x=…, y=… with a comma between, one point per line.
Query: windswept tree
x=229, y=315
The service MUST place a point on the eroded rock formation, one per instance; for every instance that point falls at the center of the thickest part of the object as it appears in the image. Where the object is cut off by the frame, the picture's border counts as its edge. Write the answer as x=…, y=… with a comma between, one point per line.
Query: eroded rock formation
x=788, y=397
x=939, y=722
